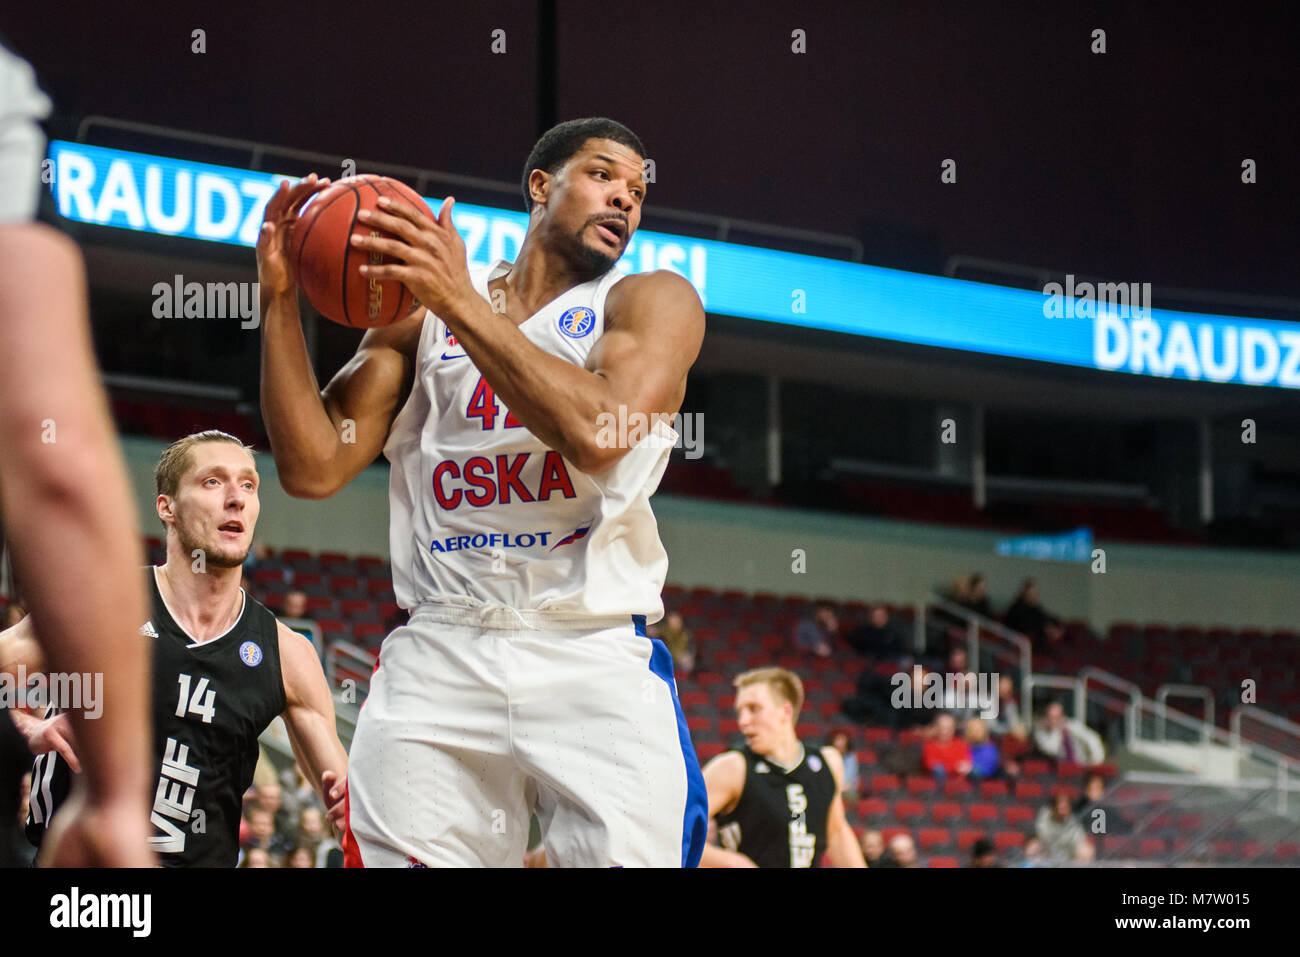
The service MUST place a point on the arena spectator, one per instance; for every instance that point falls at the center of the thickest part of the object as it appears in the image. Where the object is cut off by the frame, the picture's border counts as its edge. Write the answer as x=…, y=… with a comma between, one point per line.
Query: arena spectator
x=984, y=758
x=1014, y=745
x=902, y=851
x=300, y=856
x=817, y=634
x=873, y=848
x=311, y=828
x=262, y=833
x=874, y=701
x=842, y=741
x=677, y=637
x=1085, y=852
x=974, y=594
x=1033, y=854
x=880, y=638
x=1059, y=830
x=1091, y=801
x=296, y=793
x=255, y=857
x=269, y=796
x=295, y=606
x=945, y=754
x=983, y=853
x=1008, y=707
x=961, y=702
x=1067, y=740
x=1027, y=616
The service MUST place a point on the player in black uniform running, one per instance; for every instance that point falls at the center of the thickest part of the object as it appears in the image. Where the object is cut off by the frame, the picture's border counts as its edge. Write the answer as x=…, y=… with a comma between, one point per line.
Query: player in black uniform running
x=776, y=805
x=223, y=668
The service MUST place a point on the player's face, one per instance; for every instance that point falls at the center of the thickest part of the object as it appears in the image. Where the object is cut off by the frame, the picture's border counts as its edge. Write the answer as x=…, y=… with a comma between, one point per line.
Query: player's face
x=595, y=204
x=763, y=719
x=216, y=504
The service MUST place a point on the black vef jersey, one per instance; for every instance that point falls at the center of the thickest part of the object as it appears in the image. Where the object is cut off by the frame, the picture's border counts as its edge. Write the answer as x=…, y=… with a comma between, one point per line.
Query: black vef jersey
x=780, y=818
x=14, y=760
x=211, y=701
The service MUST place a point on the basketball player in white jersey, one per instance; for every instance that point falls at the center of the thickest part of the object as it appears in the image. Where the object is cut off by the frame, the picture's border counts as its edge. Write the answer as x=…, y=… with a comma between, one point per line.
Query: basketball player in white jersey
x=522, y=539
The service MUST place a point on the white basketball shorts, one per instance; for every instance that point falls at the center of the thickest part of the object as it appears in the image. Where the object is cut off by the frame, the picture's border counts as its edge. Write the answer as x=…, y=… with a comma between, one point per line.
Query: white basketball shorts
x=475, y=720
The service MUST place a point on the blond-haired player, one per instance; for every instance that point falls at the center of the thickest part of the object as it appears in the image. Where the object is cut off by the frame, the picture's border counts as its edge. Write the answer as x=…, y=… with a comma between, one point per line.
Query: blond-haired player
x=776, y=803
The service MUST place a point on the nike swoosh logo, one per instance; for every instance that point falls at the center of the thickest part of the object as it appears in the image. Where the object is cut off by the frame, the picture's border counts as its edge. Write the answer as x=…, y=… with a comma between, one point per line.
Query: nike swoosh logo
x=458, y=355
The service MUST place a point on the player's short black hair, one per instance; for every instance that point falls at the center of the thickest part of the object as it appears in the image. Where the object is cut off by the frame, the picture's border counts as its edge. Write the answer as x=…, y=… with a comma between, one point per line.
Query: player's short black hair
x=560, y=142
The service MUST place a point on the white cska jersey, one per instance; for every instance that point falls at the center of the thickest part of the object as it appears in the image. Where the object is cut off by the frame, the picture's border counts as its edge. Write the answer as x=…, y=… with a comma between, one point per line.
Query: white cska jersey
x=483, y=514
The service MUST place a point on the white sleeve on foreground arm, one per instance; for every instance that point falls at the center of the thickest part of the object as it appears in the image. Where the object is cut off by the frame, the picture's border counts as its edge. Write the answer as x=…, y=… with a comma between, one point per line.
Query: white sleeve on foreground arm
x=22, y=142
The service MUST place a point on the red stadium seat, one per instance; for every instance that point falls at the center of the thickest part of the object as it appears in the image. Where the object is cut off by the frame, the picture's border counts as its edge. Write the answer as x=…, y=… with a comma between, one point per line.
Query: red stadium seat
x=908, y=810
x=967, y=838
x=1029, y=791
x=1019, y=813
x=920, y=785
x=699, y=724
x=883, y=783
x=944, y=811
x=955, y=786
x=704, y=751
x=994, y=789
x=929, y=837
x=982, y=812
x=943, y=862
x=1004, y=839
x=887, y=834
x=872, y=808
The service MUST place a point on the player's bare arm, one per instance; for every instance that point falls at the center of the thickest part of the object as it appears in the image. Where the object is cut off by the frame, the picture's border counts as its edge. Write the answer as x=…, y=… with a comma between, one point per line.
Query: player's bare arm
x=724, y=779
x=305, y=424
x=654, y=330
x=68, y=514
x=842, y=846
x=309, y=719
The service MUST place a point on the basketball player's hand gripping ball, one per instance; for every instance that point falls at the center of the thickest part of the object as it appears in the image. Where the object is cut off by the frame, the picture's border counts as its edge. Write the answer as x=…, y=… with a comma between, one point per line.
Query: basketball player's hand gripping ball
x=433, y=264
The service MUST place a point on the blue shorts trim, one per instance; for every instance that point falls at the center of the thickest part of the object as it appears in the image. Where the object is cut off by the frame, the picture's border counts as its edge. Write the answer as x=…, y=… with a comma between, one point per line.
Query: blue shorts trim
x=695, y=820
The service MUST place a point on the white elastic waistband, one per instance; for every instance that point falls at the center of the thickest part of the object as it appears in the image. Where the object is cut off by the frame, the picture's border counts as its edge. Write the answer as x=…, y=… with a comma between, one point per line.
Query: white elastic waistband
x=506, y=618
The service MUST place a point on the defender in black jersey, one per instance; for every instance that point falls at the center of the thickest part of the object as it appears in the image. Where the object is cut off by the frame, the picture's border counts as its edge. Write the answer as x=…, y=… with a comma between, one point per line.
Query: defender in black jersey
x=776, y=803
x=223, y=668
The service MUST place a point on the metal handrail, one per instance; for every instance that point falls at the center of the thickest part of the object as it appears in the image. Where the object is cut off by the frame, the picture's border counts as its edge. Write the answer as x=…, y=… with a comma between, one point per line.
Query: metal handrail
x=1050, y=681
x=1136, y=701
x=1184, y=691
x=974, y=623
x=721, y=225
x=1264, y=717
x=338, y=648
x=1133, y=691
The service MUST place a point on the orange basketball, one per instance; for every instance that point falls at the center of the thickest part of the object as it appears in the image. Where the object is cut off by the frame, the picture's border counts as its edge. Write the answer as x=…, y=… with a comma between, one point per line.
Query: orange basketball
x=329, y=266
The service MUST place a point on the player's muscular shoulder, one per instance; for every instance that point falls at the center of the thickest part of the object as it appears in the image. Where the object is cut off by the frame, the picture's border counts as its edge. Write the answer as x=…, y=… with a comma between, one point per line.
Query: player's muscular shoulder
x=299, y=665
x=835, y=761
x=661, y=294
